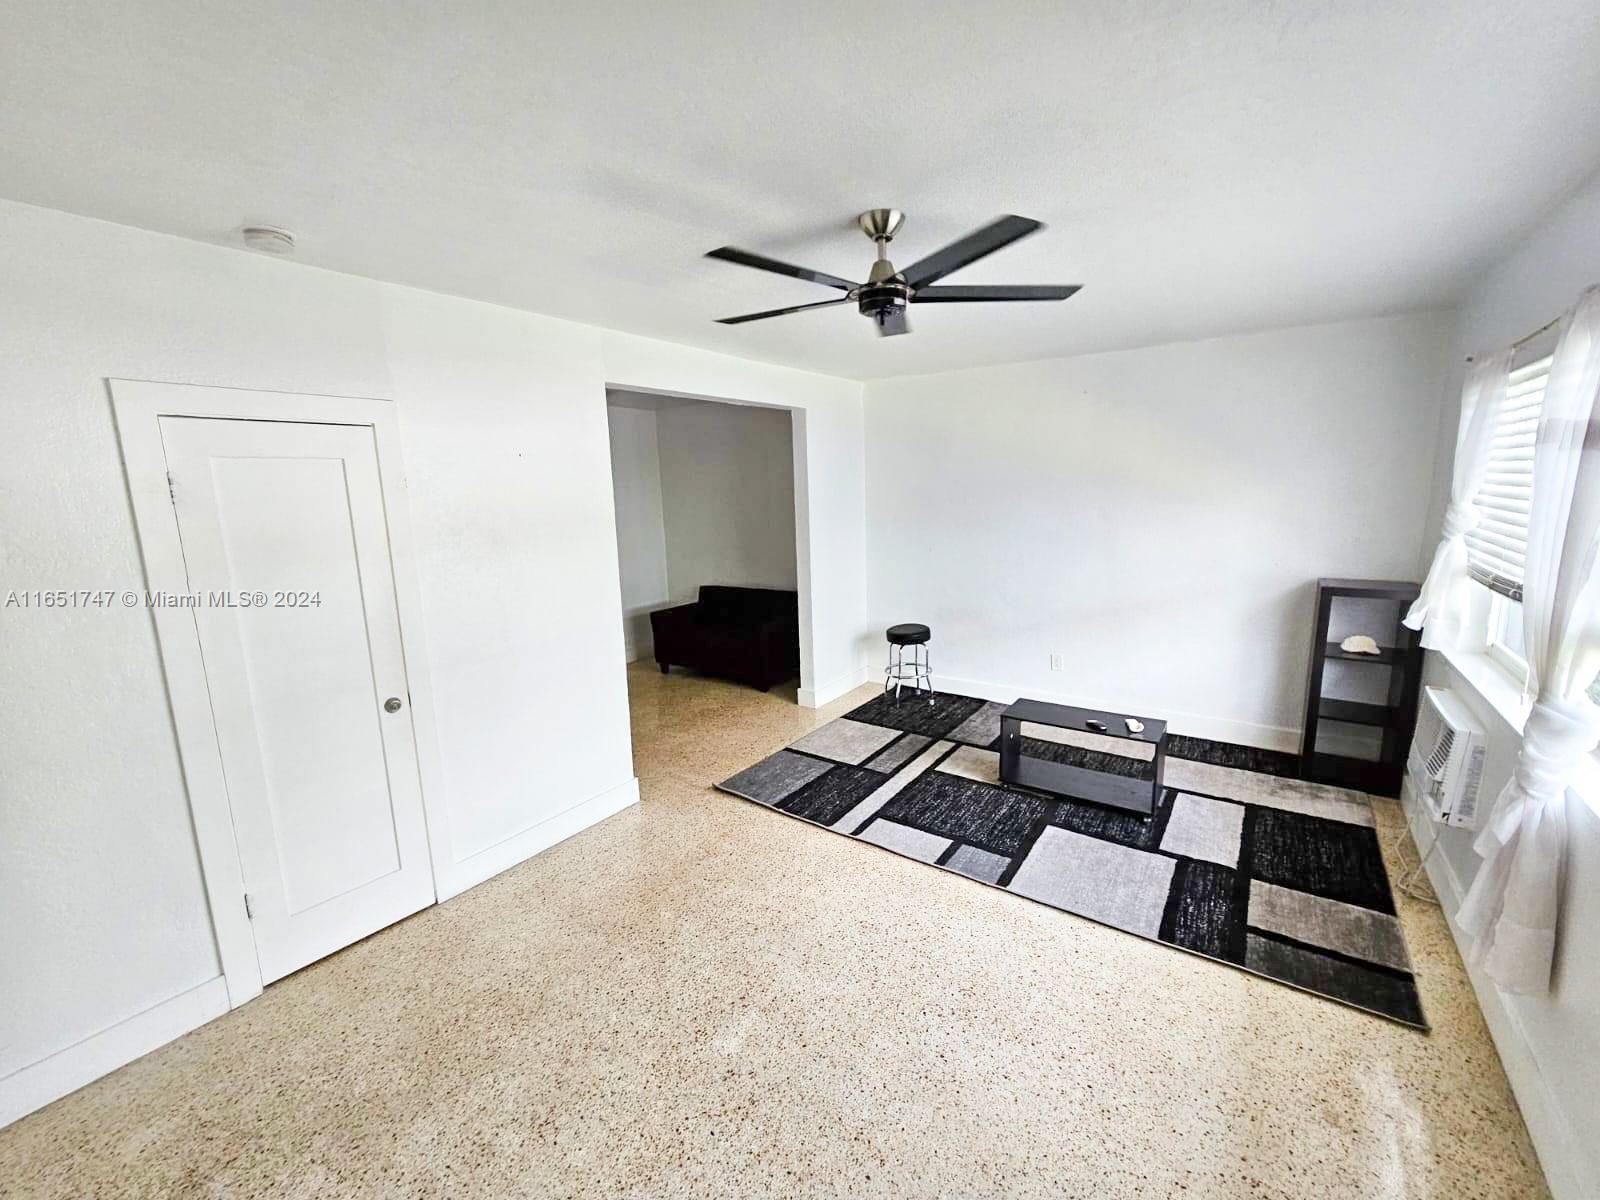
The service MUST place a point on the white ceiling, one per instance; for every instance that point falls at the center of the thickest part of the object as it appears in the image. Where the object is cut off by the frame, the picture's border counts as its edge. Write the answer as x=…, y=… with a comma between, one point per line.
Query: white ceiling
x=1203, y=166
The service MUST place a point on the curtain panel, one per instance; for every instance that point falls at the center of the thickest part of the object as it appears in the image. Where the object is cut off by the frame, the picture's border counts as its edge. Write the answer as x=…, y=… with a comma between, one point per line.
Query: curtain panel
x=1441, y=609
x=1510, y=914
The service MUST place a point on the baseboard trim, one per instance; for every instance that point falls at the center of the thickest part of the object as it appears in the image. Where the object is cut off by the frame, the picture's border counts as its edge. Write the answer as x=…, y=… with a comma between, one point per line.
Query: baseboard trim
x=834, y=688
x=468, y=872
x=30, y=1088
x=1220, y=729
x=1566, y=1169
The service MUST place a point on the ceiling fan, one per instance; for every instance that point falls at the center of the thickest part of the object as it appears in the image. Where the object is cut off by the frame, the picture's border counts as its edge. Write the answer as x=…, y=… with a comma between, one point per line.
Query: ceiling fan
x=887, y=292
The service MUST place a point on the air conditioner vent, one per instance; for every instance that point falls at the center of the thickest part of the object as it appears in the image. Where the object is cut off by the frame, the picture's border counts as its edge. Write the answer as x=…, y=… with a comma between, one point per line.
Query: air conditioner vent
x=1440, y=756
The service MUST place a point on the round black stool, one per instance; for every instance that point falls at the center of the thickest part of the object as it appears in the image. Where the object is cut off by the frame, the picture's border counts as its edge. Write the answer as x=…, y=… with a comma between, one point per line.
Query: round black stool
x=912, y=670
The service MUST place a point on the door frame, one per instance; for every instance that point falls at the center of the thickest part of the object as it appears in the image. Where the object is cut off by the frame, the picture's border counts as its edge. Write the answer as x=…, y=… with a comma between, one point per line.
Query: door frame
x=807, y=694
x=138, y=406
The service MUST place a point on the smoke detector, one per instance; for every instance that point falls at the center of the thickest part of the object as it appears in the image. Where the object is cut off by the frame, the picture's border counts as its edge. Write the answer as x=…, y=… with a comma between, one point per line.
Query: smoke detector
x=268, y=239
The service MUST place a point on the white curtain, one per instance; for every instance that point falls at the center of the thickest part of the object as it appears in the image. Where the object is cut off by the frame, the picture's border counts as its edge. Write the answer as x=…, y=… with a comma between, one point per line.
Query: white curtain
x=1510, y=913
x=1440, y=610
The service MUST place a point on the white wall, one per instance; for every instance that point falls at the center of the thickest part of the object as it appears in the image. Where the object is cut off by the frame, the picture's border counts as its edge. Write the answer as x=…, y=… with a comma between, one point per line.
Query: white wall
x=727, y=492
x=1158, y=517
x=641, y=525
x=503, y=427
x=1549, y=1044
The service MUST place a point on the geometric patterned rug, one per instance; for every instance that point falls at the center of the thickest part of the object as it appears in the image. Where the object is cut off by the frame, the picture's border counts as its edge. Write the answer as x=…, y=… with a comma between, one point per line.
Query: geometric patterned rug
x=1239, y=863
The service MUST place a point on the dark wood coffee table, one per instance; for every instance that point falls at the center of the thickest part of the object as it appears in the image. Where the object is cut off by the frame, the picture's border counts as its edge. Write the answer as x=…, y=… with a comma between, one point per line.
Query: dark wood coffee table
x=1081, y=783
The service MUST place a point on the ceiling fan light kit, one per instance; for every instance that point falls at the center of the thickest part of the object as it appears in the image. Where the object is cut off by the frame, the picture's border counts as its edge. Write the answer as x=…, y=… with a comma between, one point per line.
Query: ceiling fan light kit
x=887, y=293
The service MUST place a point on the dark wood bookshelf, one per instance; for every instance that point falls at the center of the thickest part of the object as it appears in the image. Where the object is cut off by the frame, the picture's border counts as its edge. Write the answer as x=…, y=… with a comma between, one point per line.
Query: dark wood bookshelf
x=1400, y=655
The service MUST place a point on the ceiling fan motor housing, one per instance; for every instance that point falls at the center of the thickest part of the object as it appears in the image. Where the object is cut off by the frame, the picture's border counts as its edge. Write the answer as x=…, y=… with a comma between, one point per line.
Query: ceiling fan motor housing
x=878, y=299
x=884, y=291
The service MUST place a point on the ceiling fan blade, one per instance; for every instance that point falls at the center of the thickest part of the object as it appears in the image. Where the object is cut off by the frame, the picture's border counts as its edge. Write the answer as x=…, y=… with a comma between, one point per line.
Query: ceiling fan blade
x=779, y=312
x=999, y=291
x=892, y=321
x=997, y=233
x=762, y=263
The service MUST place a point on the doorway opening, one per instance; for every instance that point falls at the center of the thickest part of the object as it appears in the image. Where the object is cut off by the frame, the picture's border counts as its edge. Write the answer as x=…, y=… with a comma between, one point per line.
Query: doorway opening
x=708, y=548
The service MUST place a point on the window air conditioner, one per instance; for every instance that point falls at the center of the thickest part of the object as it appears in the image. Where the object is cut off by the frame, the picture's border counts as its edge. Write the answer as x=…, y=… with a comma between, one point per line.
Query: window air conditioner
x=1446, y=763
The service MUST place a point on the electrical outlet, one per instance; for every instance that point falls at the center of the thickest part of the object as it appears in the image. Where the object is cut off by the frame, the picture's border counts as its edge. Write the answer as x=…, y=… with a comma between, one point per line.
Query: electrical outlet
x=1056, y=663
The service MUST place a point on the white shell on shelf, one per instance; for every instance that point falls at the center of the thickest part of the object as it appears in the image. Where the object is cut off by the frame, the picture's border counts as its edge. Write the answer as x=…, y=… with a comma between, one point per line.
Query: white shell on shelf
x=1359, y=643
x=1134, y=724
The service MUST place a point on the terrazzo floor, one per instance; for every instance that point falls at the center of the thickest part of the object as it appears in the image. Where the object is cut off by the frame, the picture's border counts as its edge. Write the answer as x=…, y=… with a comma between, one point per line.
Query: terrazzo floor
x=701, y=998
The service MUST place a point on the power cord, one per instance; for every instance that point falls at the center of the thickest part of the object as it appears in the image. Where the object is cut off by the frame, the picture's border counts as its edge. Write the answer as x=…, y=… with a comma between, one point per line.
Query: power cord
x=1413, y=880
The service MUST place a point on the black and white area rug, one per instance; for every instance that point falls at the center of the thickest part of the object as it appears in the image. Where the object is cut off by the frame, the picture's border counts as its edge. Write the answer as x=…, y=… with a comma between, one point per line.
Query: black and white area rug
x=1239, y=863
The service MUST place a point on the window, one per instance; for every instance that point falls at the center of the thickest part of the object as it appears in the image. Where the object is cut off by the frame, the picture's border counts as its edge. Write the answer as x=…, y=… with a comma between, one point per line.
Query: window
x=1505, y=644
x=1497, y=546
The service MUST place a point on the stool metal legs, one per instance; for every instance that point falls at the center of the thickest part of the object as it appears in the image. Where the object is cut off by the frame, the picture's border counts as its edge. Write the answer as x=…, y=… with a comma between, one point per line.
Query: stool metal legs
x=913, y=670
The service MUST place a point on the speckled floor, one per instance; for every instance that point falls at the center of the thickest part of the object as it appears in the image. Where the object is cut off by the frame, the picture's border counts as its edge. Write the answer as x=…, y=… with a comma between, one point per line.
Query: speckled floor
x=700, y=997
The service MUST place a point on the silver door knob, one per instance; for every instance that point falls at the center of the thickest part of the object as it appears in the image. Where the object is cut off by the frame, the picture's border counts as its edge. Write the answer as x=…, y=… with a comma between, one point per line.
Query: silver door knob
x=392, y=704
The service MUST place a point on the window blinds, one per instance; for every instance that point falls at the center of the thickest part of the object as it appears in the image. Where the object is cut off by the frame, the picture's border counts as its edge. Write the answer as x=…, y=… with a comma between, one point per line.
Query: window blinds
x=1497, y=546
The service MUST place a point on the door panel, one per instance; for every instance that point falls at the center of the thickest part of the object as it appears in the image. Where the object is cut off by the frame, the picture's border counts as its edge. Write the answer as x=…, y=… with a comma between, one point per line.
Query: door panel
x=285, y=545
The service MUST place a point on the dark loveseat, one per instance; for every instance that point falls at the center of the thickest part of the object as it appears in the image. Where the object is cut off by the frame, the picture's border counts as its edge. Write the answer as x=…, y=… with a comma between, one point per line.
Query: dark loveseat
x=743, y=633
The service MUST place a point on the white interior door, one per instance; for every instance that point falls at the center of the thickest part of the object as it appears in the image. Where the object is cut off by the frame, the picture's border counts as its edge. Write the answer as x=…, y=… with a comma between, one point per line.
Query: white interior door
x=286, y=549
